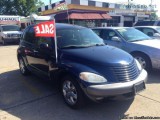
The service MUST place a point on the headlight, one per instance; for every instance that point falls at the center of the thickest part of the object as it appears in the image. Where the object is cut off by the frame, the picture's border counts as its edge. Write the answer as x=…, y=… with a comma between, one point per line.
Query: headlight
x=138, y=65
x=91, y=77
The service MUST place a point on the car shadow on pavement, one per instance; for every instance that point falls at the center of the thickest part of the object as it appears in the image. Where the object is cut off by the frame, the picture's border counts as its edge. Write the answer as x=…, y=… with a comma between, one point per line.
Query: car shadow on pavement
x=31, y=98
x=153, y=77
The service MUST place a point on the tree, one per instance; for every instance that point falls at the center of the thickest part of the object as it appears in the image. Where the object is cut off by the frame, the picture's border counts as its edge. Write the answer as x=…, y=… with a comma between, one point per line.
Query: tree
x=19, y=7
x=153, y=16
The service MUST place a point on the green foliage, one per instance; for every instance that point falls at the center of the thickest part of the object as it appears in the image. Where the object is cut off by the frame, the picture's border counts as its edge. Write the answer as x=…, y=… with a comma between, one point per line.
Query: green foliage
x=19, y=7
x=153, y=16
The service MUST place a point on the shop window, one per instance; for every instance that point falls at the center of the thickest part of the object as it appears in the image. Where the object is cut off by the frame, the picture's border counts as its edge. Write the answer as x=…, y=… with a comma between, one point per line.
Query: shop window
x=106, y=5
x=75, y=2
x=91, y=3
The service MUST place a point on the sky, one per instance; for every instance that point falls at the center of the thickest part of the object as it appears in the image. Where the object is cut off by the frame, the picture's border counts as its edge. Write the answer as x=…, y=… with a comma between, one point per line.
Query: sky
x=143, y=2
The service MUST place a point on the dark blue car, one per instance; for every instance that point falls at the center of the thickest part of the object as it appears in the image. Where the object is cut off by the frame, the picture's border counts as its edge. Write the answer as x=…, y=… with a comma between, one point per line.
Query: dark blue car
x=86, y=67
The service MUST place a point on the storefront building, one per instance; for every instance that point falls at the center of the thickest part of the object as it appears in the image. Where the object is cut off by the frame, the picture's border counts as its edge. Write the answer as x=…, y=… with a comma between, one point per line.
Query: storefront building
x=94, y=13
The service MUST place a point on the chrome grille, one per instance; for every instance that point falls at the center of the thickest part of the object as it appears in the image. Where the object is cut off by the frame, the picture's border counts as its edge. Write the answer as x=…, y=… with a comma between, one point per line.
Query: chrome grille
x=126, y=72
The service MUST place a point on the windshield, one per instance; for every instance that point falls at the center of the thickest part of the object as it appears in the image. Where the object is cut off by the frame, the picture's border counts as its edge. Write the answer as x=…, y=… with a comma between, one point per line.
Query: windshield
x=158, y=28
x=11, y=28
x=132, y=34
x=76, y=38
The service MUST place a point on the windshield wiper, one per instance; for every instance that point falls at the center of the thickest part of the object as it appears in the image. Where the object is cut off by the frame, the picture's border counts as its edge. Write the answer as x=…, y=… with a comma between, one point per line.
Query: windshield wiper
x=72, y=46
x=79, y=46
x=138, y=40
x=96, y=45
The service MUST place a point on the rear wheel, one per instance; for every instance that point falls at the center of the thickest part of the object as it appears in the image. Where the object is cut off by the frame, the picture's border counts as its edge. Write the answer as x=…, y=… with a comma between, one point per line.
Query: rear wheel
x=72, y=92
x=144, y=60
x=22, y=66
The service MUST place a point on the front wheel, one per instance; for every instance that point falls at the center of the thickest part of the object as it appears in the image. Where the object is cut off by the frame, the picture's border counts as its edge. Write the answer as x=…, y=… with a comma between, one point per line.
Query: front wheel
x=22, y=66
x=144, y=60
x=3, y=42
x=72, y=92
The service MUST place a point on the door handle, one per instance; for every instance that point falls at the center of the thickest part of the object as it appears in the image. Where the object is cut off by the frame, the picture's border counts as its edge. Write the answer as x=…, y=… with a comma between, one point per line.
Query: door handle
x=35, y=51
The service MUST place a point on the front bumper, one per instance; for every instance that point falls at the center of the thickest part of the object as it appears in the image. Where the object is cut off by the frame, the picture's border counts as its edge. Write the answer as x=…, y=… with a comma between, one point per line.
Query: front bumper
x=9, y=40
x=115, y=89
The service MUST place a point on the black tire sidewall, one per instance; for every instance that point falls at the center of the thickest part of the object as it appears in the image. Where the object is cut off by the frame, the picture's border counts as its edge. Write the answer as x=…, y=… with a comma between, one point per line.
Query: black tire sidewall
x=3, y=42
x=80, y=95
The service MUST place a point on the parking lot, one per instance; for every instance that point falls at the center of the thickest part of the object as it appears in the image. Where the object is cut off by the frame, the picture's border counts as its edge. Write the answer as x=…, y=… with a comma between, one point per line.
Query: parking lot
x=31, y=98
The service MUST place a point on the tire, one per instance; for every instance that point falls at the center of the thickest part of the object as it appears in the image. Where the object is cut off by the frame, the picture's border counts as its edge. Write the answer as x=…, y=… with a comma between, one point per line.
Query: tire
x=3, y=42
x=144, y=60
x=72, y=93
x=22, y=67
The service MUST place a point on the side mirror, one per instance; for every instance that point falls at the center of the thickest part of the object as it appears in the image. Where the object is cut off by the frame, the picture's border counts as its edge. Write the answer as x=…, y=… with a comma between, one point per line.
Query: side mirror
x=156, y=35
x=116, y=39
x=43, y=46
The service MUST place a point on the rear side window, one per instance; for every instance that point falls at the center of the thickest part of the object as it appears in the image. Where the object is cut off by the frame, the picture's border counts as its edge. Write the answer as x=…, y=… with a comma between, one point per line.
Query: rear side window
x=29, y=35
x=149, y=31
x=145, y=23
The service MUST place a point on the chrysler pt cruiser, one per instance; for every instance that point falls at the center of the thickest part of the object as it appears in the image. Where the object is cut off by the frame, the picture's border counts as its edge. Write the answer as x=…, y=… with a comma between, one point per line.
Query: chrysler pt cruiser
x=85, y=66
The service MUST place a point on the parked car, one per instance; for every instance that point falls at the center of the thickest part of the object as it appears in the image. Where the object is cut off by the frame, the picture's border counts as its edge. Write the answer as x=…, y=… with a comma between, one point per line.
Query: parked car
x=85, y=67
x=145, y=49
x=148, y=23
x=151, y=31
x=9, y=33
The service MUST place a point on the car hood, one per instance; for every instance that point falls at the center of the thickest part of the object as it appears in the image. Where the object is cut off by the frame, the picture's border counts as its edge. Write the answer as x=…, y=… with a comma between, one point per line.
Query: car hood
x=12, y=32
x=97, y=55
x=155, y=43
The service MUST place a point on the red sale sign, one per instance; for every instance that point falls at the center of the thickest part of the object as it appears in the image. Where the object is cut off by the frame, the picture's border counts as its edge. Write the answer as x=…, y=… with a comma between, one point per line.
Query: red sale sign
x=45, y=29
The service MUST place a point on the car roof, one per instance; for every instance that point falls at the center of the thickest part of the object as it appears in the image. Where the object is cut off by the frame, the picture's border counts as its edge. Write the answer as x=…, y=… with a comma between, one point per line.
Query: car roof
x=147, y=27
x=110, y=28
x=64, y=26
x=8, y=25
x=67, y=26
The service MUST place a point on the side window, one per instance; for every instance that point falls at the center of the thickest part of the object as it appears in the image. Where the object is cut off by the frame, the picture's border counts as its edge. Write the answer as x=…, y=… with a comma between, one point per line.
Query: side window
x=148, y=31
x=47, y=40
x=30, y=35
x=108, y=34
x=24, y=33
x=98, y=32
x=141, y=29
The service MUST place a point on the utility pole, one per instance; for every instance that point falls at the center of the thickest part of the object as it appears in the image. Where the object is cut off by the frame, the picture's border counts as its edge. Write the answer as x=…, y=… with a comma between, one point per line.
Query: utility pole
x=50, y=2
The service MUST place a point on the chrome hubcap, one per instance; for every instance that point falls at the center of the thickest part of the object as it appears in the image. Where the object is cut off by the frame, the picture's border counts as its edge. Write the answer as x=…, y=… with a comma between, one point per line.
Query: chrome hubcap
x=141, y=61
x=21, y=65
x=69, y=92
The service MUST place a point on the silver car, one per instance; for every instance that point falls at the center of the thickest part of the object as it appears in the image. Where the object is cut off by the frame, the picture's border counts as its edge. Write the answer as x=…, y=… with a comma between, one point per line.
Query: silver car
x=144, y=48
x=151, y=31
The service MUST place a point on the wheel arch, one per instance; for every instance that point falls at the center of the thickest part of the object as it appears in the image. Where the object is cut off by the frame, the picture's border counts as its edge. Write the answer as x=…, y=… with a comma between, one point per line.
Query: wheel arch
x=143, y=53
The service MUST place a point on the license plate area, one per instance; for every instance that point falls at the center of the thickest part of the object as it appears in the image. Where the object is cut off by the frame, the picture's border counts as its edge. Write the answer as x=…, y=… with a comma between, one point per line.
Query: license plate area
x=139, y=87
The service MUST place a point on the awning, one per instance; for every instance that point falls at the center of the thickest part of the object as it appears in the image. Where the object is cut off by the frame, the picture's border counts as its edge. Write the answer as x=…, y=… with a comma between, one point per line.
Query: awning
x=83, y=16
x=89, y=16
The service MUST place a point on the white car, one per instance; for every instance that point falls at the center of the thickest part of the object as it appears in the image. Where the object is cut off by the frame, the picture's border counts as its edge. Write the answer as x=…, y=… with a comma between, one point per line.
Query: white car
x=10, y=33
x=151, y=31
